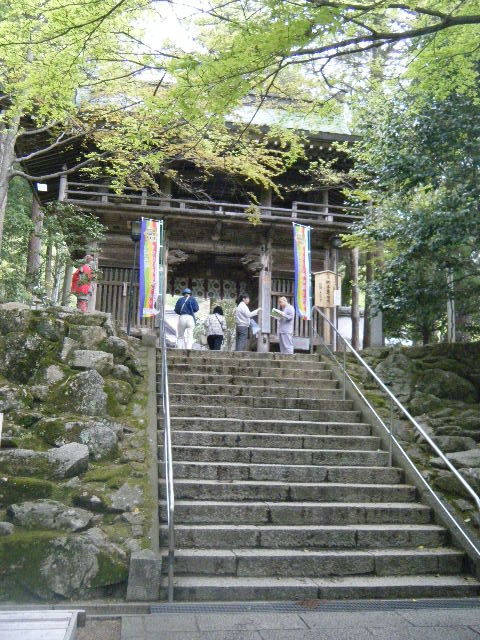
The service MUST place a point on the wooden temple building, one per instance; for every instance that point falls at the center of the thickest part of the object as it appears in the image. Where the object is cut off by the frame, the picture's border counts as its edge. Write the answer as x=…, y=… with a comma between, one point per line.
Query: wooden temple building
x=212, y=245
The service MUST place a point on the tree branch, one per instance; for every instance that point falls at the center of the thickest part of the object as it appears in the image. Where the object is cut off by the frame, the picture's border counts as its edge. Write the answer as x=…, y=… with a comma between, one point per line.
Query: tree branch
x=60, y=141
x=57, y=174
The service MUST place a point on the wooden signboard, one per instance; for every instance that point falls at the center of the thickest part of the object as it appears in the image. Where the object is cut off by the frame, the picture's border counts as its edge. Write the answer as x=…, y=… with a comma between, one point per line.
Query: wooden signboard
x=327, y=289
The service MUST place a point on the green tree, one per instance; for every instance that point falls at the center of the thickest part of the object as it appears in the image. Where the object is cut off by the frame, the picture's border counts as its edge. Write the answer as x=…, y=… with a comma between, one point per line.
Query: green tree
x=253, y=45
x=420, y=161
x=53, y=55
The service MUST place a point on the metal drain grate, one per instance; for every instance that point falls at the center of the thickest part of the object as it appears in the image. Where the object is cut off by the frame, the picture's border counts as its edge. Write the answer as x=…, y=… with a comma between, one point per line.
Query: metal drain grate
x=313, y=605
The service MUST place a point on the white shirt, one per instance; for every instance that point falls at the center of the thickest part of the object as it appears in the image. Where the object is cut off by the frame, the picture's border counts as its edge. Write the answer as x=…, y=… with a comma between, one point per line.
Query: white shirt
x=243, y=315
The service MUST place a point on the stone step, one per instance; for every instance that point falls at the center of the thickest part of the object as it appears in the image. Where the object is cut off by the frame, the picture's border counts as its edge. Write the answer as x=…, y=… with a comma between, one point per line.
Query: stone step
x=229, y=471
x=322, y=380
x=263, y=402
x=278, y=440
x=277, y=456
x=251, y=372
x=255, y=390
x=354, y=536
x=227, y=411
x=255, y=490
x=301, y=563
x=218, y=588
x=270, y=426
x=174, y=354
x=279, y=513
x=227, y=361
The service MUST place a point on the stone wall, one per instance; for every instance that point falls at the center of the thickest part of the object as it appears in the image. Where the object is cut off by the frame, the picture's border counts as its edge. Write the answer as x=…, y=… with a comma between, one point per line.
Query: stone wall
x=75, y=499
x=440, y=387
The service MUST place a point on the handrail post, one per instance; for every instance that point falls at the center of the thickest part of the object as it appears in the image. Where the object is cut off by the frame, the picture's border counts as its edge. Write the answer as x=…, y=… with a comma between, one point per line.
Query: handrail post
x=390, y=448
x=344, y=370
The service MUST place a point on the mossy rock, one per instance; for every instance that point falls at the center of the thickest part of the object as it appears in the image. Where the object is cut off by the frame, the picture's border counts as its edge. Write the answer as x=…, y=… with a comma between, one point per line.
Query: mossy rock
x=15, y=489
x=91, y=319
x=47, y=326
x=21, y=558
x=23, y=355
x=114, y=408
x=122, y=391
x=447, y=384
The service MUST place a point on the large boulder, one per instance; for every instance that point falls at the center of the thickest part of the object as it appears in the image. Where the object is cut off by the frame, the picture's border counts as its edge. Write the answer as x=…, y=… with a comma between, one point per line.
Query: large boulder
x=87, y=337
x=77, y=565
x=452, y=444
x=100, y=440
x=397, y=371
x=13, y=317
x=447, y=384
x=14, y=398
x=6, y=529
x=121, y=390
x=82, y=394
x=67, y=461
x=98, y=360
x=116, y=346
x=22, y=355
x=470, y=458
x=49, y=514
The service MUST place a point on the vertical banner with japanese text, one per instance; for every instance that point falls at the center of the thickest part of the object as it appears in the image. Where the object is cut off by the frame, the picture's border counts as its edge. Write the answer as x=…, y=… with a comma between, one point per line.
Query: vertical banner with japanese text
x=150, y=255
x=303, y=279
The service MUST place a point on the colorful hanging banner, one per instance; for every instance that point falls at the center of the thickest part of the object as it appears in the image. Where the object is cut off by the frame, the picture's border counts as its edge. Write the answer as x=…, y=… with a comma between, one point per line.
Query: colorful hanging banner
x=150, y=255
x=303, y=279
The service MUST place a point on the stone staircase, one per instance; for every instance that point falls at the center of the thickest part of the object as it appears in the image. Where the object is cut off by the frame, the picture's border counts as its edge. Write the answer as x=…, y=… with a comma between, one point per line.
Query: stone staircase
x=282, y=492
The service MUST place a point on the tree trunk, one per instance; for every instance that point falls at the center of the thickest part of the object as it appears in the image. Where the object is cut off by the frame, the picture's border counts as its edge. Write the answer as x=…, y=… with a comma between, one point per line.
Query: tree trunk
x=355, y=307
x=49, y=268
x=34, y=247
x=8, y=138
x=67, y=283
x=366, y=316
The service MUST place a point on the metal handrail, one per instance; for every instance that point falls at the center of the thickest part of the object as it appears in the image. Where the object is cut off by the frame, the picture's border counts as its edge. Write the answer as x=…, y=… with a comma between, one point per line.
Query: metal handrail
x=167, y=454
x=392, y=439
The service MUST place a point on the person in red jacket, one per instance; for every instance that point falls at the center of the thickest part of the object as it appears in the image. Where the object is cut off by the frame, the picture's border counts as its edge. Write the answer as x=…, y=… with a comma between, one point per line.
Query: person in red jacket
x=81, y=282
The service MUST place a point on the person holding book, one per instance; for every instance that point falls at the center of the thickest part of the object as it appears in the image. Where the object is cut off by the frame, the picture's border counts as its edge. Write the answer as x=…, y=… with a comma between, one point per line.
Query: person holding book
x=243, y=315
x=286, y=315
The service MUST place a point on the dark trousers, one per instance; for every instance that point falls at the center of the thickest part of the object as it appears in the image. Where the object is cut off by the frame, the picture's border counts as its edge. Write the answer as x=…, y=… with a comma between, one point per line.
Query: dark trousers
x=242, y=337
x=215, y=342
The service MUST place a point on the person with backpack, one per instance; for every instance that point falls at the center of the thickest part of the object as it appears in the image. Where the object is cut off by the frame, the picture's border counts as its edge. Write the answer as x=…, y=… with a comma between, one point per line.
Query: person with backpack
x=186, y=307
x=81, y=283
x=215, y=327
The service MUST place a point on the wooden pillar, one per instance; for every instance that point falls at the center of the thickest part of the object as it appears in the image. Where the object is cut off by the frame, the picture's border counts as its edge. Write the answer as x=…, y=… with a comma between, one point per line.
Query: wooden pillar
x=328, y=217
x=355, y=310
x=327, y=332
x=265, y=296
x=35, y=246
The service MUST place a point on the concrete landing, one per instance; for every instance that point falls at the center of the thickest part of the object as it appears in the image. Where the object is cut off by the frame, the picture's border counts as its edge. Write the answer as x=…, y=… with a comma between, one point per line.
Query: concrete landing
x=314, y=620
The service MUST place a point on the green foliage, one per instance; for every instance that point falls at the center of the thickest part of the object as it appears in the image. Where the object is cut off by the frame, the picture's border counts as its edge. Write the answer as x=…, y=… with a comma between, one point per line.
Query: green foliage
x=422, y=163
x=15, y=246
x=69, y=225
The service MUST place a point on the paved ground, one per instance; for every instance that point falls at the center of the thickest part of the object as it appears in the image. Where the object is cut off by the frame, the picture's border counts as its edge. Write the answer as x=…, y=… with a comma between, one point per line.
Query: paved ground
x=417, y=622
x=95, y=629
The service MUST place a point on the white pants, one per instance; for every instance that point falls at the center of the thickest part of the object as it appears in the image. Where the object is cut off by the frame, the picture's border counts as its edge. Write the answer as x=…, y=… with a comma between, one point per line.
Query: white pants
x=186, y=324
